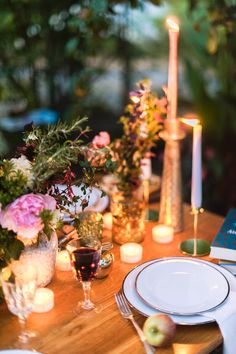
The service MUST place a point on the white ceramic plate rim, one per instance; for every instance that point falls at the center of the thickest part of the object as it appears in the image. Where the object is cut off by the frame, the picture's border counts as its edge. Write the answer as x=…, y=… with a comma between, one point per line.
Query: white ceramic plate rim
x=137, y=304
x=162, y=305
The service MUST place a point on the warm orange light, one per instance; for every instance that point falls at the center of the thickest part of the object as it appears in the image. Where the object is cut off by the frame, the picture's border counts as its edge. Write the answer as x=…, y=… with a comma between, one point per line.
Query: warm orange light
x=135, y=99
x=192, y=122
x=172, y=25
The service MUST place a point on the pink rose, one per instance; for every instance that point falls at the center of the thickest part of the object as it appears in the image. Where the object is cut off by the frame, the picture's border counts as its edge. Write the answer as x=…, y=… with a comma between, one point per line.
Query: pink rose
x=21, y=216
x=101, y=140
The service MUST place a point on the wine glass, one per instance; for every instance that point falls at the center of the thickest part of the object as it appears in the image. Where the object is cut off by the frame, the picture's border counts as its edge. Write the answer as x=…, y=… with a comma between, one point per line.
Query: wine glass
x=19, y=286
x=85, y=255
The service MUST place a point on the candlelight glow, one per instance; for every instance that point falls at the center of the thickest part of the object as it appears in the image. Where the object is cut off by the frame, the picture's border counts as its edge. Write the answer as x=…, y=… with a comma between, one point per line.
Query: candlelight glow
x=172, y=25
x=192, y=122
x=135, y=99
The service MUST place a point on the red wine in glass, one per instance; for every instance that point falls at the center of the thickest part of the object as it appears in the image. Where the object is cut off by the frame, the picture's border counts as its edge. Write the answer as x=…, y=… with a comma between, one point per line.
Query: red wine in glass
x=85, y=261
x=85, y=256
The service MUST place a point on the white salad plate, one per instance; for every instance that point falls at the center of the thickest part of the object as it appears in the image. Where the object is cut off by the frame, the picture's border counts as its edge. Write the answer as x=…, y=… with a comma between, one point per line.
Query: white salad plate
x=142, y=307
x=181, y=286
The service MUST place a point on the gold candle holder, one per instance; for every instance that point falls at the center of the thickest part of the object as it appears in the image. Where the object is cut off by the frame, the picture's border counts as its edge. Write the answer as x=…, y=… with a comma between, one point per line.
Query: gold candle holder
x=195, y=247
x=171, y=205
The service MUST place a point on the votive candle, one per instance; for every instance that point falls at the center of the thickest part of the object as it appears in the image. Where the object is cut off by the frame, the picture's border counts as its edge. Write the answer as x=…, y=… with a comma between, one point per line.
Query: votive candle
x=63, y=261
x=163, y=233
x=43, y=300
x=107, y=221
x=131, y=252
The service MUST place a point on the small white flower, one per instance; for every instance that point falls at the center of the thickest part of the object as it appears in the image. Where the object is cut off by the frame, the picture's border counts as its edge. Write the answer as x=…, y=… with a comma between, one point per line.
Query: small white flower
x=32, y=136
x=24, y=165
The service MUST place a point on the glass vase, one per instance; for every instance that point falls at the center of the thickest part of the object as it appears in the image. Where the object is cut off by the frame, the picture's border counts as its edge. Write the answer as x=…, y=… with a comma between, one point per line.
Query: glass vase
x=128, y=215
x=42, y=256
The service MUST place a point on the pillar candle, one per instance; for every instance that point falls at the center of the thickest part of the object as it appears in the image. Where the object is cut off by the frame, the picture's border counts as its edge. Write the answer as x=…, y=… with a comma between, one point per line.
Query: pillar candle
x=196, y=184
x=196, y=188
x=173, y=69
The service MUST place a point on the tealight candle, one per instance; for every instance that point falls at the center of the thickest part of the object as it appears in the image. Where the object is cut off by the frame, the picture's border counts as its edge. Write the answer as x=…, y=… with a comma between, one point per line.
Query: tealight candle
x=131, y=252
x=63, y=261
x=43, y=300
x=162, y=233
x=107, y=221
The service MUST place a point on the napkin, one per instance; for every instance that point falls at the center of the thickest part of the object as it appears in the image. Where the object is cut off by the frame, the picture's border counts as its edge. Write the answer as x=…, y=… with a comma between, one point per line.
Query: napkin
x=225, y=316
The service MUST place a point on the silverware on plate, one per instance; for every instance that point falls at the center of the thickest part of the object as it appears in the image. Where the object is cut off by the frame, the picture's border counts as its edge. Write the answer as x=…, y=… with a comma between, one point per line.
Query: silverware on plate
x=127, y=314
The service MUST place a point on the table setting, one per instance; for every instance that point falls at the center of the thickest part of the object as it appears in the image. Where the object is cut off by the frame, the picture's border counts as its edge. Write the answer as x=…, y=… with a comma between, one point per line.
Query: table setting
x=105, y=261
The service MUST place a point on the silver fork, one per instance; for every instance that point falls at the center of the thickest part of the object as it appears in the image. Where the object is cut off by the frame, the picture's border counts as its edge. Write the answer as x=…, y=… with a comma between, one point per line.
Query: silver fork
x=126, y=313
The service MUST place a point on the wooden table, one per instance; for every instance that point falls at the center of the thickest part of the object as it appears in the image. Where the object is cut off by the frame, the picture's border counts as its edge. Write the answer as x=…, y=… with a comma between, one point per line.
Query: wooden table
x=61, y=331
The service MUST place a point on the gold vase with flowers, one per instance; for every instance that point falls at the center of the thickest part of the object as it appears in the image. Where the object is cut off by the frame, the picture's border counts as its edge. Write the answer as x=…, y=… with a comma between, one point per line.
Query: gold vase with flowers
x=141, y=124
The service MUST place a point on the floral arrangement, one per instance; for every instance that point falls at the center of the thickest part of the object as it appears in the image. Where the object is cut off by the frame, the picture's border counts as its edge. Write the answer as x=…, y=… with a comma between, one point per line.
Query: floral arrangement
x=30, y=201
x=142, y=122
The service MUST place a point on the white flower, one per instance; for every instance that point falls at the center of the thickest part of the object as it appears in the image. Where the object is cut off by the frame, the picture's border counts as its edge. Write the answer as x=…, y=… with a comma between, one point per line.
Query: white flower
x=24, y=165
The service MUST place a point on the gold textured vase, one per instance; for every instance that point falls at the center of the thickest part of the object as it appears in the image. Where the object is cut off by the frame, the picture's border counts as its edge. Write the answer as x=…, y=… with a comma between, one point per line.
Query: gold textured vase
x=128, y=215
x=171, y=204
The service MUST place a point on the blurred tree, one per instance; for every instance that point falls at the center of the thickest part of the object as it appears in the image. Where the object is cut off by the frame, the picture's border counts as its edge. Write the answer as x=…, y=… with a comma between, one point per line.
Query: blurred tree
x=45, y=48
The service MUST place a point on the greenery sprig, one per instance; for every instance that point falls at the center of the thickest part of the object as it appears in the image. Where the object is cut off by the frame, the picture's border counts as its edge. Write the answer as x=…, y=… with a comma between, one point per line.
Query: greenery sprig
x=53, y=150
x=141, y=124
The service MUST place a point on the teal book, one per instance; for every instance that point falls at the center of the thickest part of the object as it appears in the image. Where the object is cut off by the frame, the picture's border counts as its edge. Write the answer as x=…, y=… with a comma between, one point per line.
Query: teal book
x=224, y=244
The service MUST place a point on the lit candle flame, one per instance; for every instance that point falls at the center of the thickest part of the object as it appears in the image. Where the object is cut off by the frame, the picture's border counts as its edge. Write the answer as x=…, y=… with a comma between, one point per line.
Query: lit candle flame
x=172, y=24
x=192, y=122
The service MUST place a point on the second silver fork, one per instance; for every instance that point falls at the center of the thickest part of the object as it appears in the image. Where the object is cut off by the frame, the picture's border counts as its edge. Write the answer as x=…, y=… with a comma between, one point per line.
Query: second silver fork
x=126, y=313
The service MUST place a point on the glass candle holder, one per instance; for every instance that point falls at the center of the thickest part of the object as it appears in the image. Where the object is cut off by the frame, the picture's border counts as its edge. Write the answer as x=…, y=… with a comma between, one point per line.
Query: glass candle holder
x=88, y=224
x=128, y=215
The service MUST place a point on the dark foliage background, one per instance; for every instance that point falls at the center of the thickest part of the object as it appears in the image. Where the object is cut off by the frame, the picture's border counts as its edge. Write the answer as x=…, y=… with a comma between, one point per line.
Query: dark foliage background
x=61, y=55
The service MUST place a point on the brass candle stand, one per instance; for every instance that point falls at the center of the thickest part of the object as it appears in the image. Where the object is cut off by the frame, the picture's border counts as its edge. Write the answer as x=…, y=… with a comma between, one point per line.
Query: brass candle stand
x=171, y=205
x=195, y=247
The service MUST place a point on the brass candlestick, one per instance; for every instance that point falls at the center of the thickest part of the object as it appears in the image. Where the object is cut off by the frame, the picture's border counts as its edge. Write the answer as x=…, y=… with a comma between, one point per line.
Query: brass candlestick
x=195, y=247
x=171, y=206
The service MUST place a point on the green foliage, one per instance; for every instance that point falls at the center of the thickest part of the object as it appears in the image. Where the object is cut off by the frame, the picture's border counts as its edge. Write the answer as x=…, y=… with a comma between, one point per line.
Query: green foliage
x=10, y=246
x=40, y=44
x=53, y=150
x=12, y=183
x=47, y=219
x=141, y=125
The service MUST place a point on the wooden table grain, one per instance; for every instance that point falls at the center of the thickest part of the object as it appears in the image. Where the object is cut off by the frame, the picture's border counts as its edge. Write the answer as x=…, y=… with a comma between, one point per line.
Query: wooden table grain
x=60, y=331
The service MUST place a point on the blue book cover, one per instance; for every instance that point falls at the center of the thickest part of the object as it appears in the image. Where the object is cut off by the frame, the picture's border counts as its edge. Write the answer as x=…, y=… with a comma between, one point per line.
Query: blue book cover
x=224, y=244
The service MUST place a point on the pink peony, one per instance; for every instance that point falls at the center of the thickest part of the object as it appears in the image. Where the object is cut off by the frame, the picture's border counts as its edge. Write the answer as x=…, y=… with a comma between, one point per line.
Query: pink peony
x=101, y=140
x=21, y=216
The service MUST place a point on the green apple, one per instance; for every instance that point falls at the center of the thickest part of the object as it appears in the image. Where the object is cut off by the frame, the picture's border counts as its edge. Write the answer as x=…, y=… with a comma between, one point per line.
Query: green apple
x=159, y=330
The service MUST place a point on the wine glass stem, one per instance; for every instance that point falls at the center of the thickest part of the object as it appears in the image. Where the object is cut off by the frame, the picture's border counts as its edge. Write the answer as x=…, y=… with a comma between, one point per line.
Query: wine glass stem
x=23, y=336
x=87, y=304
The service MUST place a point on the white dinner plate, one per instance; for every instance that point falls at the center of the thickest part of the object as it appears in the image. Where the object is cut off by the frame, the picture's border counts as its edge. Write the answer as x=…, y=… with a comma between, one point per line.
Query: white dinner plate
x=139, y=305
x=181, y=286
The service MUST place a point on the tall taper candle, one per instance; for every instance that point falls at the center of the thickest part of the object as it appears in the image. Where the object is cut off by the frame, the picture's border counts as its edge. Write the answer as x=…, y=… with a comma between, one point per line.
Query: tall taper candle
x=173, y=68
x=196, y=190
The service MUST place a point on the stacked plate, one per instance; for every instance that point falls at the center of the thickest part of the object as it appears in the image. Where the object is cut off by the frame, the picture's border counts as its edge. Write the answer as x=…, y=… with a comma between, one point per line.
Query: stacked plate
x=181, y=287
